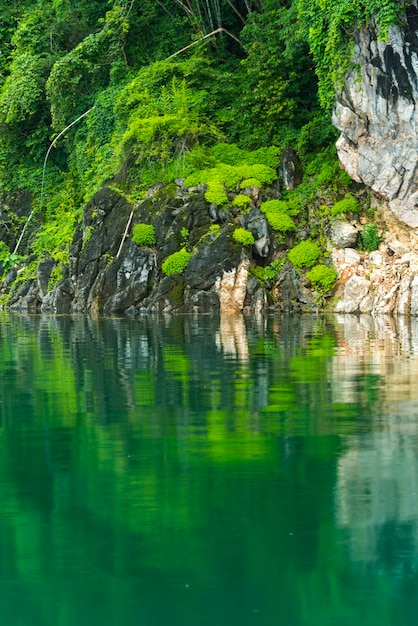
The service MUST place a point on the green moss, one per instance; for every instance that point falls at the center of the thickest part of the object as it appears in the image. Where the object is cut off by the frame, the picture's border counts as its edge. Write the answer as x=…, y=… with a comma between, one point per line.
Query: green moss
x=55, y=276
x=243, y=236
x=322, y=278
x=176, y=293
x=250, y=182
x=305, y=254
x=176, y=263
x=144, y=235
x=241, y=201
x=216, y=193
x=347, y=205
x=281, y=222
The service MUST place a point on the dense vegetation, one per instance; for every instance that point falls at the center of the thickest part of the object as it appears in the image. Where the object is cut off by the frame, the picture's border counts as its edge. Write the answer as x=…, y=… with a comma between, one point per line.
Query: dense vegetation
x=163, y=86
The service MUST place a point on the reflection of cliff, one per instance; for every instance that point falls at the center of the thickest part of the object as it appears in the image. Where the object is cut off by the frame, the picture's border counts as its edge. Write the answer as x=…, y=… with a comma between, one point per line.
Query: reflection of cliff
x=377, y=475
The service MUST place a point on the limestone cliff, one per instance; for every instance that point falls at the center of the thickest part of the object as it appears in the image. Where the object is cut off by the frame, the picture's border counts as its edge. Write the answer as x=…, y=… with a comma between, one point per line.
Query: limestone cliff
x=377, y=115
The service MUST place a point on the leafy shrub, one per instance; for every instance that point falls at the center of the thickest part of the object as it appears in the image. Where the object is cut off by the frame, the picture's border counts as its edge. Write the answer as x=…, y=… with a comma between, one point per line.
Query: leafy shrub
x=241, y=201
x=176, y=262
x=250, y=182
x=370, y=237
x=144, y=235
x=270, y=272
x=225, y=176
x=274, y=206
x=305, y=254
x=243, y=236
x=322, y=277
x=347, y=205
x=327, y=175
x=216, y=193
x=280, y=221
x=7, y=258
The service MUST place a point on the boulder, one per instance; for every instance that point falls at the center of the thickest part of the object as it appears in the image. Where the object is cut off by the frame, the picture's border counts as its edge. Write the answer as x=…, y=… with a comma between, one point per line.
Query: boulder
x=343, y=234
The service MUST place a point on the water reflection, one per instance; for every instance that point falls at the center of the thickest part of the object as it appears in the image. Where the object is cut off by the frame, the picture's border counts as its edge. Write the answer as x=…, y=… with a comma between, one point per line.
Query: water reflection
x=199, y=470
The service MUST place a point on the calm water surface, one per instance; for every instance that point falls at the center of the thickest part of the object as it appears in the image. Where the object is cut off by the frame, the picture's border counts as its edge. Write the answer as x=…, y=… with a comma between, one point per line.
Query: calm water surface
x=186, y=472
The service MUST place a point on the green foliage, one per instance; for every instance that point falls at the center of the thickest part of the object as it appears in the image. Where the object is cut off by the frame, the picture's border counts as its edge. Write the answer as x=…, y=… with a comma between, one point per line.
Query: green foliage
x=216, y=192
x=7, y=258
x=280, y=221
x=280, y=86
x=370, y=237
x=176, y=263
x=243, y=236
x=238, y=166
x=347, y=205
x=329, y=26
x=22, y=91
x=322, y=278
x=280, y=206
x=250, y=182
x=214, y=229
x=278, y=215
x=270, y=272
x=304, y=254
x=241, y=201
x=144, y=235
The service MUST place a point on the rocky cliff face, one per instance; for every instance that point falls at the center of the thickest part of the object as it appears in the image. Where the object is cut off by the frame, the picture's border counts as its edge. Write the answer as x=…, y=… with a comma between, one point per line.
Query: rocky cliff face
x=377, y=115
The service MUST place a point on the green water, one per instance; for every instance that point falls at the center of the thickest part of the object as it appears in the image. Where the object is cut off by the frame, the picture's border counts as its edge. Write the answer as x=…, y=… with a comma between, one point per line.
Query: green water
x=186, y=472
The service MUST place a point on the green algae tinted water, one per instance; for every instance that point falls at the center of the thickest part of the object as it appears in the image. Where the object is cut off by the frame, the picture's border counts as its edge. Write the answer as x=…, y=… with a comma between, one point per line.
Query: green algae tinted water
x=185, y=471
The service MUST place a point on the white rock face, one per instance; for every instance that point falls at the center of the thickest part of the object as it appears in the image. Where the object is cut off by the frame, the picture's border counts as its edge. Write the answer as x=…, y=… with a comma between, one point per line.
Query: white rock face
x=378, y=117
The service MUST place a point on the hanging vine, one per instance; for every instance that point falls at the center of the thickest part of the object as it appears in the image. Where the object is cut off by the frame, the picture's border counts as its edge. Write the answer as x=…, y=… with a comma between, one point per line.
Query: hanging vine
x=329, y=27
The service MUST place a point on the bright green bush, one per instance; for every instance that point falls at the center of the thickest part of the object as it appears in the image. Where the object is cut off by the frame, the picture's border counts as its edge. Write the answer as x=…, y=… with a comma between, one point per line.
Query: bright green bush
x=144, y=235
x=280, y=221
x=305, y=254
x=322, y=277
x=274, y=206
x=243, y=236
x=269, y=272
x=370, y=237
x=250, y=182
x=241, y=201
x=347, y=205
x=216, y=192
x=225, y=176
x=176, y=262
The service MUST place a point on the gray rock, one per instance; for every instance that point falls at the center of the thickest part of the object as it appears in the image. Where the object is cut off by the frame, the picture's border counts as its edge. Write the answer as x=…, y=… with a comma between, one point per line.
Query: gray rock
x=355, y=291
x=257, y=224
x=290, y=169
x=343, y=234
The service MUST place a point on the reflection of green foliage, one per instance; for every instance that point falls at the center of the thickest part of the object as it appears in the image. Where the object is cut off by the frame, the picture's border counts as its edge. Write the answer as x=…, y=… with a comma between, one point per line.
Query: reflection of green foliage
x=176, y=262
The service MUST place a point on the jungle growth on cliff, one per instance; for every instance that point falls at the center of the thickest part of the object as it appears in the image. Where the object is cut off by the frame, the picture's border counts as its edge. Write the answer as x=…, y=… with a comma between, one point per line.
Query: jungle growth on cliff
x=167, y=85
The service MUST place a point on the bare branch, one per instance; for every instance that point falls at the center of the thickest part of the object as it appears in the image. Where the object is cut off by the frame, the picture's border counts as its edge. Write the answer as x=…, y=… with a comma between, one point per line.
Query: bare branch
x=215, y=32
